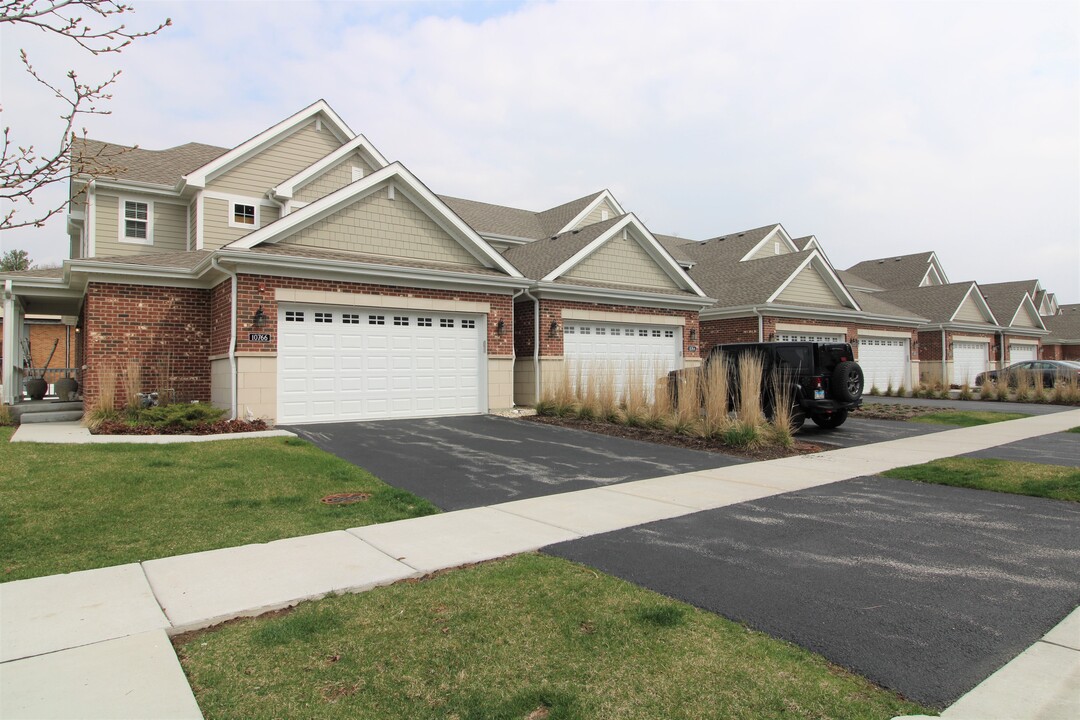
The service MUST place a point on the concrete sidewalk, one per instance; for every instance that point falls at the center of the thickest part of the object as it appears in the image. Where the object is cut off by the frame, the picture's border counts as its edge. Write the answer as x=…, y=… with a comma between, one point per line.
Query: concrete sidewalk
x=92, y=644
x=76, y=433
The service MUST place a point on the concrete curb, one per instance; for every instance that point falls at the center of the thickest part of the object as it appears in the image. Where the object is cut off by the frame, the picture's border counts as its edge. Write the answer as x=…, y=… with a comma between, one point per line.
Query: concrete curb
x=73, y=433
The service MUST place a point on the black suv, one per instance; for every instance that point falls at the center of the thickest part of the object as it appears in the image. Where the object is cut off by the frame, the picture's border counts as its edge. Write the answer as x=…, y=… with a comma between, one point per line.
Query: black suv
x=824, y=378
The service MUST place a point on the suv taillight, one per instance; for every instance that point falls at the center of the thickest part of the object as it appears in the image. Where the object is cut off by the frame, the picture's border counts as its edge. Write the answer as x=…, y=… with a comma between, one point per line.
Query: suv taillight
x=817, y=382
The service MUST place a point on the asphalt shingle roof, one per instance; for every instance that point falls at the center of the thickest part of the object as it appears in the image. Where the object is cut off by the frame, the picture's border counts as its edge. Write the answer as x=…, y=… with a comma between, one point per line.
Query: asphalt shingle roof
x=894, y=273
x=873, y=304
x=1063, y=327
x=182, y=260
x=538, y=258
x=731, y=247
x=674, y=246
x=1004, y=298
x=936, y=303
x=852, y=280
x=735, y=284
x=490, y=219
x=161, y=167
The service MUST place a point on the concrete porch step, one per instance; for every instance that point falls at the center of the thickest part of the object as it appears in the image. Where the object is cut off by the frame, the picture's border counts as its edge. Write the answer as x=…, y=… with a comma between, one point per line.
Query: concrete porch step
x=52, y=416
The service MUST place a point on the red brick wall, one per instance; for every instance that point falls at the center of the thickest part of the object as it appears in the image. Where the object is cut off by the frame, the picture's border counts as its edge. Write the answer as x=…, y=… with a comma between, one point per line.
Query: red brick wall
x=524, y=322
x=930, y=345
x=256, y=291
x=1010, y=339
x=551, y=345
x=1060, y=352
x=220, y=317
x=42, y=337
x=166, y=330
x=745, y=329
x=728, y=330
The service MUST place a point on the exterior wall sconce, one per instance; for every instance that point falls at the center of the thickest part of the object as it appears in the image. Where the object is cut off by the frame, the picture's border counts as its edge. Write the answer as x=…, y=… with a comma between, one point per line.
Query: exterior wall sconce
x=554, y=329
x=693, y=334
x=259, y=319
x=499, y=327
x=772, y=337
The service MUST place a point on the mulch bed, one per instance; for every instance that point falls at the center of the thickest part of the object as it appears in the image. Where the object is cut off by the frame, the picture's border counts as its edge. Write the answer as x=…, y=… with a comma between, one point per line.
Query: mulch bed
x=221, y=427
x=880, y=411
x=662, y=437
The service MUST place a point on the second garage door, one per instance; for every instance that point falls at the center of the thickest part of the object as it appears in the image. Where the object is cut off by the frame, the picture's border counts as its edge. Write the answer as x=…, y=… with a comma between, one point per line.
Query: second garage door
x=1023, y=353
x=651, y=349
x=368, y=364
x=969, y=359
x=886, y=362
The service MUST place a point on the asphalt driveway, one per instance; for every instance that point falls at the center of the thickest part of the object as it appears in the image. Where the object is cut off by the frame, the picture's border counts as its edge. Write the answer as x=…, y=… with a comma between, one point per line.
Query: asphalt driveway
x=477, y=460
x=1056, y=449
x=924, y=589
x=864, y=431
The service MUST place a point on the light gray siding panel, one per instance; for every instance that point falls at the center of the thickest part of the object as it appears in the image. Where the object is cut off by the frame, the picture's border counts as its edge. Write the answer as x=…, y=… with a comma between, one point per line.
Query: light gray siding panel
x=769, y=249
x=193, y=224
x=622, y=261
x=597, y=215
x=216, y=229
x=809, y=288
x=1023, y=319
x=169, y=227
x=376, y=225
x=333, y=179
x=969, y=312
x=278, y=162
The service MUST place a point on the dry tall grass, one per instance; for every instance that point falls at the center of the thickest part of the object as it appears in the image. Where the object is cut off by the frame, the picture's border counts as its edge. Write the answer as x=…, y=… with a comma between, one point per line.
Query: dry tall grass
x=1023, y=386
x=635, y=399
x=986, y=390
x=782, y=427
x=716, y=411
x=106, y=398
x=749, y=411
x=1067, y=393
x=686, y=415
x=132, y=383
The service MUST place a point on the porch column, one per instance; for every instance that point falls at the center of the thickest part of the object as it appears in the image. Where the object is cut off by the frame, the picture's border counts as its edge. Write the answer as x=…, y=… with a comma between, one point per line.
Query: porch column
x=9, y=378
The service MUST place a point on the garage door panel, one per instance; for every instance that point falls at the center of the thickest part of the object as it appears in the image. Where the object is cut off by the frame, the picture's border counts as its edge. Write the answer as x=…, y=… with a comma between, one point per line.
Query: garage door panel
x=886, y=362
x=1022, y=353
x=621, y=350
x=969, y=359
x=367, y=365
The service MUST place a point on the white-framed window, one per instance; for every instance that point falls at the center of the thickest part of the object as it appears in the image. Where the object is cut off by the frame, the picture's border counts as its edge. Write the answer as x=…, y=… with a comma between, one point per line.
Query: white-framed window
x=243, y=214
x=136, y=221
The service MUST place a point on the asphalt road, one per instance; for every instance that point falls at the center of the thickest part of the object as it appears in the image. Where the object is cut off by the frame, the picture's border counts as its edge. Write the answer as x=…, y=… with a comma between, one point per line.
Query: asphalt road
x=859, y=431
x=477, y=460
x=924, y=589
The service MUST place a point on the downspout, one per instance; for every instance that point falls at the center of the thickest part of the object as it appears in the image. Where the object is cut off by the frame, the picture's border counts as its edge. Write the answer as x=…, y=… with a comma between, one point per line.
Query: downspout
x=232, y=337
x=760, y=325
x=281, y=205
x=944, y=354
x=513, y=341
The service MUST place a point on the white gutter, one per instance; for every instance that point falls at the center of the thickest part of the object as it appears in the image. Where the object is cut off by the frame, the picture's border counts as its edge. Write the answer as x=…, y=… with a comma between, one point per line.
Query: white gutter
x=536, y=343
x=944, y=354
x=232, y=338
x=281, y=206
x=8, y=345
x=760, y=325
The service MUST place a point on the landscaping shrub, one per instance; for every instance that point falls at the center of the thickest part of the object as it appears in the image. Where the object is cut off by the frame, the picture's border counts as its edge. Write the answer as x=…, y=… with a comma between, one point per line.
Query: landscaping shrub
x=183, y=416
x=965, y=391
x=901, y=391
x=716, y=417
x=875, y=392
x=749, y=410
x=5, y=416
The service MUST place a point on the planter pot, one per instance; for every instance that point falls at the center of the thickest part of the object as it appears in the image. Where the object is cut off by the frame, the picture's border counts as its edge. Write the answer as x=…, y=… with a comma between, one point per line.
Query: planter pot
x=36, y=388
x=66, y=388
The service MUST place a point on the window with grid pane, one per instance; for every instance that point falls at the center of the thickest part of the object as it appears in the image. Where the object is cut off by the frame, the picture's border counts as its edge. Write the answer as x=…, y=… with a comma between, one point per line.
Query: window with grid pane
x=136, y=220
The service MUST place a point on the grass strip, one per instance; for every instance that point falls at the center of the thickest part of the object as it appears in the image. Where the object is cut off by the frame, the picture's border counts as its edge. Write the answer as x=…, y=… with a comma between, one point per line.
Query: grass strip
x=76, y=507
x=529, y=637
x=1020, y=478
x=967, y=418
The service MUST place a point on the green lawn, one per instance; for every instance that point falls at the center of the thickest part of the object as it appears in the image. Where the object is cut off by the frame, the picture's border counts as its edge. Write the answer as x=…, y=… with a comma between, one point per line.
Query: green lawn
x=531, y=637
x=1020, y=478
x=967, y=418
x=76, y=507
x=1074, y=430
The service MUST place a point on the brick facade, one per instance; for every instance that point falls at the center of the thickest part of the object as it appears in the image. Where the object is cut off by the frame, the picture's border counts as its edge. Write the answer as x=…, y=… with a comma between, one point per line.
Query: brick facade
x=1060, y=352
x=745, y=329
x=551, y=343
x=166, y=330
x=1013, y=339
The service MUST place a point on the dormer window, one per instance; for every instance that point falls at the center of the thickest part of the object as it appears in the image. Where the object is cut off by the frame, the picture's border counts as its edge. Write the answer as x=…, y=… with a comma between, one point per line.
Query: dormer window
x=244, y=215
x=136, y=225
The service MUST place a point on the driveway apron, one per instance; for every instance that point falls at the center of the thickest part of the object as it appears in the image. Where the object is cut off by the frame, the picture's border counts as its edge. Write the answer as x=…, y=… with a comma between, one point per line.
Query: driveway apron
x=472, y=461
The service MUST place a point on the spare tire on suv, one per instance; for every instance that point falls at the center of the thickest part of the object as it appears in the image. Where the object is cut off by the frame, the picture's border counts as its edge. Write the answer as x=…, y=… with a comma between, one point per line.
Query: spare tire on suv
x=847, y=381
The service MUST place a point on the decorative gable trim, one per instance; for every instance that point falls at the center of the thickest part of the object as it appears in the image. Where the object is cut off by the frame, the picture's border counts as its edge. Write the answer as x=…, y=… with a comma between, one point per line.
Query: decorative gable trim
x=651, y=245
x=934, y=270
x=319, y=110
x=1033, y=312
x=827, y=275
x=410, y=186
x=285, y=190
x=605, y=195
x=973, y=291
x=778, y=234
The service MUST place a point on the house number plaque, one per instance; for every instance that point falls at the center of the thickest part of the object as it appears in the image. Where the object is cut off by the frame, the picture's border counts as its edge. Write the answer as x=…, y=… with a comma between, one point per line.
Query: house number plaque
x=259, y=337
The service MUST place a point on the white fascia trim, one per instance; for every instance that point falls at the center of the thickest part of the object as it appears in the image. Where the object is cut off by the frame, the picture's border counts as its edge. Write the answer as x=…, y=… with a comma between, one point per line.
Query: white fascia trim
x=390, y=275
x=200, y=221
x=121, y=186
x=414, y=190
x=285, y=189
x=198, y=178
x=936, y=264
x=513, y=239
x=980, y=300
x=813, y=241
x=604, y=195
x=652, y=246
x=829, y=276
x=242, y=199
x=776, y=232
x=1033, y=314
x=558, y=291
x=800, y=311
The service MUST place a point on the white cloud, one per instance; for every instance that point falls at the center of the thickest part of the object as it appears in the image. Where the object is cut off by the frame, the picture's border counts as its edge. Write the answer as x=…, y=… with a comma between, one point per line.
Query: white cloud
x=880, y=127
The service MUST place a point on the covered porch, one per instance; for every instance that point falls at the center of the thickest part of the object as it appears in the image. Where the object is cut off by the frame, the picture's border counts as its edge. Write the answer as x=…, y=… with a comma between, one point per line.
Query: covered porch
x=39, y=317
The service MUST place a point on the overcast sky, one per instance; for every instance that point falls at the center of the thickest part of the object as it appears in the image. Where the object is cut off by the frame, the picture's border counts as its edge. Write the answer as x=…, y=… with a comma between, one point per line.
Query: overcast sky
x=881, y=128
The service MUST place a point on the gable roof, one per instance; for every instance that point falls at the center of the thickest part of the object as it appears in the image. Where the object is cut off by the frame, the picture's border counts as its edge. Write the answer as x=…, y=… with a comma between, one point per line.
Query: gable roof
x=674, y=246
x=854, y=281
x=1064, y=327
x=285, y=189
x=1007, y=299
x=757, y=282
x=417, y=192
x=320, y=109
x=491, y=219
x=898, y=272
x=872, y=303
x=548, y=259
x=157, y=167
x=730, y=248
x=936, y=303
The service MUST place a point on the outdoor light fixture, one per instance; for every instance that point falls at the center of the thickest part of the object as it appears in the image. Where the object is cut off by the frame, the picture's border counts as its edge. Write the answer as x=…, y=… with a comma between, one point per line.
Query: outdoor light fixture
x=499, y=327
x=260, y=317
x=693, y=334
x=554, y=328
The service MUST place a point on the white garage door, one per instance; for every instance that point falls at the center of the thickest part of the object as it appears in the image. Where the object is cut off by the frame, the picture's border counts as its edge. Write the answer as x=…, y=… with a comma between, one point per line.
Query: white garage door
x=808, y=337
x=366, y=364
x=969, y=359
x=886, y=362
x=649, y=349
x=1022, y=353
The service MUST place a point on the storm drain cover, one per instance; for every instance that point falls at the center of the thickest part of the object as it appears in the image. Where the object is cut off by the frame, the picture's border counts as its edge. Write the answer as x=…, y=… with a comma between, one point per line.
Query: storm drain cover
x=345, y=498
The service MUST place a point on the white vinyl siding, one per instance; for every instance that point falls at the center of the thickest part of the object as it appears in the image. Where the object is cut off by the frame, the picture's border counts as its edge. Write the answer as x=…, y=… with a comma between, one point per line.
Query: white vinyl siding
x=885, y=362
x=969, y=359
x=809, y=288
x=339, y=364
x=625, y=351
x=278, y=162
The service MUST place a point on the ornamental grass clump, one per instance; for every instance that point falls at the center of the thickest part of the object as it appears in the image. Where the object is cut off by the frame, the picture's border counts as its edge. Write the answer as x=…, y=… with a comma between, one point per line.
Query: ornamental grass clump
x=965, y=391
x=607, y=393
x=588, y=397
x=783, y=411
x=687, y=413
x=1038, y=393
x=716, y=412
x=986, y=390
x=749, y=410
x=1023, y=386
x=1001, y=391
x=635, y=400
x=132, y=383
x=901, y=391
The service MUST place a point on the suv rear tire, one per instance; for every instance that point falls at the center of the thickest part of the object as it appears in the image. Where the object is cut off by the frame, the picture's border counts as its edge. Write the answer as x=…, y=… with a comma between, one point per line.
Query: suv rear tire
x=847, y=381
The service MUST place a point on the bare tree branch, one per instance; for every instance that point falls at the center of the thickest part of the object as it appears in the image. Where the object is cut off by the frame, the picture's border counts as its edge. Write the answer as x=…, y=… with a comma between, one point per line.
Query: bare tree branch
x=24, y=171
